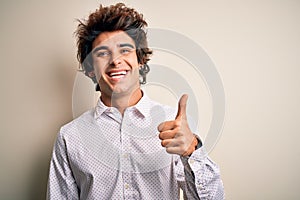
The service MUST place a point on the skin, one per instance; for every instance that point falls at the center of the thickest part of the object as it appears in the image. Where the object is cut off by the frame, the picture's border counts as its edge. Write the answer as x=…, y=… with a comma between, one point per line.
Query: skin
x=175, y=135
x=114, y=52
x=117, y=72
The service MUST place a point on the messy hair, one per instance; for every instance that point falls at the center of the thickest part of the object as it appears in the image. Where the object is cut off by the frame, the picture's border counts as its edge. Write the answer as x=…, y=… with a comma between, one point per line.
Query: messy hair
x=112, y=18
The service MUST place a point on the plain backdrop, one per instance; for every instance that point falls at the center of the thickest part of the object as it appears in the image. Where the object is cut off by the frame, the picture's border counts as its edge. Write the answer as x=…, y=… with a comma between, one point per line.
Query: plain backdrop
x=255, y=46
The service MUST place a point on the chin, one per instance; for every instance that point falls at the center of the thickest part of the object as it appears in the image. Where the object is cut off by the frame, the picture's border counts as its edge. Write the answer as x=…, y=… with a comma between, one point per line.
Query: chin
x=124, y=90
x=119, y=90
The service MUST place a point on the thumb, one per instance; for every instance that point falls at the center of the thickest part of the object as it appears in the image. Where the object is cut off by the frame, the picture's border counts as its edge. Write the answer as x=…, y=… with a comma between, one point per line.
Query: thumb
x=182, y=106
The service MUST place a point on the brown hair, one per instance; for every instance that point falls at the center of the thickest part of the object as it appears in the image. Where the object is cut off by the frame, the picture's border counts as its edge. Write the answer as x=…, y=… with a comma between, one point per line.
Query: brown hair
x=112, y=18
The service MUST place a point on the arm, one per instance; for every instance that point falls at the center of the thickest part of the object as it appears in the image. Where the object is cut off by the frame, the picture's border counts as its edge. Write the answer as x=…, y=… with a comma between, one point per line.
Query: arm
x=201, y=177
x=198, y=176
x=61, y=183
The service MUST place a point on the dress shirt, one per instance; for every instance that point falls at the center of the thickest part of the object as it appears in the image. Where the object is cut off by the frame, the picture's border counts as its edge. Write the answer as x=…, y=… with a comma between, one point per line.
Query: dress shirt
x=104, y=155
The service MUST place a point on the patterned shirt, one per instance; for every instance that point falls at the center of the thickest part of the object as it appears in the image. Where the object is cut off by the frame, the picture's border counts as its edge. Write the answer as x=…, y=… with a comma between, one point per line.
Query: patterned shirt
x=104, y=155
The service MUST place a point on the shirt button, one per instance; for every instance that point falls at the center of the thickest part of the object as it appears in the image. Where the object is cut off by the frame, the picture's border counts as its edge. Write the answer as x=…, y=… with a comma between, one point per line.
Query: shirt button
x=126, y=185
x=200, y=186
x=192, y=161
x=125, y=155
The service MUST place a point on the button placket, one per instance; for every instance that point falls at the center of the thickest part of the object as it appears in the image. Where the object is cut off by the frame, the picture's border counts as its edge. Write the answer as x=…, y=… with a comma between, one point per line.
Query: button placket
x=125, y=142
x=125, y=157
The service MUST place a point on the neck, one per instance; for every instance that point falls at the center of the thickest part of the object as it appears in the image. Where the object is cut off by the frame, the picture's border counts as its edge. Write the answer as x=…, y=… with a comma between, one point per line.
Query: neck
x=121, y=102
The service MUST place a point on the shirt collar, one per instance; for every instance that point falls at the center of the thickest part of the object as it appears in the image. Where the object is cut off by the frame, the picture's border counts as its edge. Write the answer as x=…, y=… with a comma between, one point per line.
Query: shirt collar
x=143, y=107
x=101, y=108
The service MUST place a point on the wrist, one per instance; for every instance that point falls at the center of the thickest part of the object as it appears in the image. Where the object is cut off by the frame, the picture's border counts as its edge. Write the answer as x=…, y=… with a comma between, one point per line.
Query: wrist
x=196, y=143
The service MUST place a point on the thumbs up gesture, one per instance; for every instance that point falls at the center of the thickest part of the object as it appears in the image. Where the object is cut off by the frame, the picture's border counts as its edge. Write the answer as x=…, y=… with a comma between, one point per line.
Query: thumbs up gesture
x=176, y=135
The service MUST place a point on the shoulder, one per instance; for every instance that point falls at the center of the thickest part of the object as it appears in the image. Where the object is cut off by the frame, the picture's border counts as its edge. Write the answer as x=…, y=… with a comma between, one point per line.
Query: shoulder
x=77, y=124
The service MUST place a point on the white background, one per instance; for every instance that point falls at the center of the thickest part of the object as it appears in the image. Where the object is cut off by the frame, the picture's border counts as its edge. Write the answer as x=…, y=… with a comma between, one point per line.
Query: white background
x=255, y=46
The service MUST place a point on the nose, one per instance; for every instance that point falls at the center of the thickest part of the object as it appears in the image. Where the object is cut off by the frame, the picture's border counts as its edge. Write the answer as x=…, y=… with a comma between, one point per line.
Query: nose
x=116, y=59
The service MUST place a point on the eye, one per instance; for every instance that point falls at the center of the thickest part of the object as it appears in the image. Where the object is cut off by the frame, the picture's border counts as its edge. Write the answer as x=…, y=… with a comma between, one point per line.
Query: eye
x=126, y=50
x=102, y=53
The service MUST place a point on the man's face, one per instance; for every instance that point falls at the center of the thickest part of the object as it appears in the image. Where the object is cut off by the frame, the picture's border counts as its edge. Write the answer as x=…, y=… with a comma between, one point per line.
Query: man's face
x=115, y=63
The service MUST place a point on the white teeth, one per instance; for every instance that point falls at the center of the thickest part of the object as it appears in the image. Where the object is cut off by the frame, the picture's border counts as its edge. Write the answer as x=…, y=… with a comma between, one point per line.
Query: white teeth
x=120, y=76
x=121, y=73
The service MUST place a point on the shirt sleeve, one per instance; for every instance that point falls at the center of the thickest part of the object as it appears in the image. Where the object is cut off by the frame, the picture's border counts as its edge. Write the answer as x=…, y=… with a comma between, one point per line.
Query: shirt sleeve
x=61, y=183
x=199, y=177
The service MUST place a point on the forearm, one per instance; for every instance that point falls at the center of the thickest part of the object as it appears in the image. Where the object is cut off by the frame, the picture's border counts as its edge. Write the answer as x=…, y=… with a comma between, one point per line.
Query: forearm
x=202, y=177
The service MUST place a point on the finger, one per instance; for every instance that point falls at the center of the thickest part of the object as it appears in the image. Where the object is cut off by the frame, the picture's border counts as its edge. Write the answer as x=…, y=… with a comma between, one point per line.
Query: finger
x=168, y=125
x=168, y=134
x=181, y=112
x=174, y=150
x=169, y=143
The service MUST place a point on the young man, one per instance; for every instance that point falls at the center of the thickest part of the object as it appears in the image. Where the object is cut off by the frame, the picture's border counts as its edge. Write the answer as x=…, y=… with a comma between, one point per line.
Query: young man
x=128, y=146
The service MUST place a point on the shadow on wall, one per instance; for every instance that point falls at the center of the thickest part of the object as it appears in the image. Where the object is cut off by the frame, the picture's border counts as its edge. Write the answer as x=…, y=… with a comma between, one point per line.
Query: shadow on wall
x=39, y=178
x=58, y=112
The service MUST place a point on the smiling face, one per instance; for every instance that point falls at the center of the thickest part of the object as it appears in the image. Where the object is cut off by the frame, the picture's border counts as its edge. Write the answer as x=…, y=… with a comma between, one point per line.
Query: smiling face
x=116, y=64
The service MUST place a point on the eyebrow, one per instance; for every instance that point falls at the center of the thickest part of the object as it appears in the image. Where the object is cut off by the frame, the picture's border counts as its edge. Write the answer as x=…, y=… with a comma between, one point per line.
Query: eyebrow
x=106, y=47
x=99, y=48
x=126, y=45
